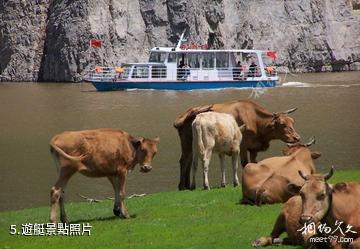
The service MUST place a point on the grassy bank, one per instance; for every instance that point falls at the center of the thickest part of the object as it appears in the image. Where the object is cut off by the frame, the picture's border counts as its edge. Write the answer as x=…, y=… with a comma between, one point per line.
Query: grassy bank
x=197, y=219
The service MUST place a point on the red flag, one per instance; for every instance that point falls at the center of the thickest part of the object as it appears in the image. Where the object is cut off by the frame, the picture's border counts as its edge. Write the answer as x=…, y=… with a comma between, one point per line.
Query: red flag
x=94, y=43
x=272, y=54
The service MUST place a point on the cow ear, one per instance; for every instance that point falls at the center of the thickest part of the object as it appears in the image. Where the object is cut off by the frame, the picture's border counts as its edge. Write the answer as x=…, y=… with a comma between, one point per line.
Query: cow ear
x=339, y=187
x=273, y=121
x=156, y=140
x=137, y=142
x=293, y=188
x=315, y=154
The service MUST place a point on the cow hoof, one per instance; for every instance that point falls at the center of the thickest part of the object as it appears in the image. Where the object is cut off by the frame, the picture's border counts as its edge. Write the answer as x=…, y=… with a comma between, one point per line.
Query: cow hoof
x=117, y=211
x=125, y=216
x=64, y=220
x=236, y=184
x=256, y=243
x=223, y=185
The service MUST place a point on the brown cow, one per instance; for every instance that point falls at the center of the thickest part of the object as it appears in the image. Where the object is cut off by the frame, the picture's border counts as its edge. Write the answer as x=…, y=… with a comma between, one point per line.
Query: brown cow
x=267, y=180
x=262, y=126
x=319, y=203
x=110, y=153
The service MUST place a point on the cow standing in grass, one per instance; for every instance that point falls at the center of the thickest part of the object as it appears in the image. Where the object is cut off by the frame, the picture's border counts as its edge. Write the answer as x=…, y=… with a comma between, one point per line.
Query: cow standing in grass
x=262, y=126
x=110, y=153
x=215, y=132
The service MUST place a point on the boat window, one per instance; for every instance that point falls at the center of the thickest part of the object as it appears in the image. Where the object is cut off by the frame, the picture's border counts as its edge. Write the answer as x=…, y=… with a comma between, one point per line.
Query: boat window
x=222, y=60
x=157, y=57
x=158, y=72
x=126, y=71
x=181, y=58
x=140, y=72
x=172, y=57
x=208, y=60
x=193, y=60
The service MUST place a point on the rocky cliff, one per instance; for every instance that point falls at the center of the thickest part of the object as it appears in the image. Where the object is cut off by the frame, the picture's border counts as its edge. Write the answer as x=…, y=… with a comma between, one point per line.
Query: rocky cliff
x=48, y=40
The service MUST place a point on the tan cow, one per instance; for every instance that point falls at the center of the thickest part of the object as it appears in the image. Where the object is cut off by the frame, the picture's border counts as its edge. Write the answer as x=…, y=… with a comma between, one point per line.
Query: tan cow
x=262, y=126
x=215, y=132
x=337, y=206
x=266, y=182
x=110, y=153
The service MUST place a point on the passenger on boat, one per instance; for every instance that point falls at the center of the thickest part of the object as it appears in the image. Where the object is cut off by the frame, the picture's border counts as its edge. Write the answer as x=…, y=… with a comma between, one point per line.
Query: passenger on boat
x=252, y=70
x=270, y=70
x=237, y=71
x=98, y=69
x=186, y=71
x=119, y=70
x=180, y=71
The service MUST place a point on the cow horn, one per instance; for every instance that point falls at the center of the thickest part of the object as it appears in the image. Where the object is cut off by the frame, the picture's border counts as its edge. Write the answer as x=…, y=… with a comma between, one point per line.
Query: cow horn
x=302, y=175
x=329, y=175
x=290, y=110
x=291, y=144
x=311, y=142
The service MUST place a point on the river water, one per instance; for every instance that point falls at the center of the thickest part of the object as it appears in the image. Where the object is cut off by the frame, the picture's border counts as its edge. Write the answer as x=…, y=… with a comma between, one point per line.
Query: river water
x=30, y=114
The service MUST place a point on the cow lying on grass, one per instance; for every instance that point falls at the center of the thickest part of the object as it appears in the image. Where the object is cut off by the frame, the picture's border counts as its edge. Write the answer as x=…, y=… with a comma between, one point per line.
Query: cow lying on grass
x=110, y=153
x=319, y=203
x=266, y=182
x=215, y=132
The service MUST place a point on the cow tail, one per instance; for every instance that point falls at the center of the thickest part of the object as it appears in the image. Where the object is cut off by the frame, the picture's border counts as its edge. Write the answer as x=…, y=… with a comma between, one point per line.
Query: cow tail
x=75, y=159
x=197, y=137
x=54, y=157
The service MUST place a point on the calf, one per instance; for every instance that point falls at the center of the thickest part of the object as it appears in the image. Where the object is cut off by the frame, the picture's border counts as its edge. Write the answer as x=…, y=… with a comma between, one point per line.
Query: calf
x=110, y=153
x=217, y=132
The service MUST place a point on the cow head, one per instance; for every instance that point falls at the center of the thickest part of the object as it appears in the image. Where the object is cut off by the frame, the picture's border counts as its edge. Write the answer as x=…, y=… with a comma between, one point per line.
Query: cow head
x=145, y=152
x=293, y=147
x=315, y=195
x=282, y=126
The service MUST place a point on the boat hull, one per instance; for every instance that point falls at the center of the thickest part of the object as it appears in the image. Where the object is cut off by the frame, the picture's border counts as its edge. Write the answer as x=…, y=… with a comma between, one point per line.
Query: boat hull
x=180, y=85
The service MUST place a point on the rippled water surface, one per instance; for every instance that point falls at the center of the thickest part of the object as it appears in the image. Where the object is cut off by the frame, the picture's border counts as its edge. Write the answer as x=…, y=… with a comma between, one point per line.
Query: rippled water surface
x=30, y=114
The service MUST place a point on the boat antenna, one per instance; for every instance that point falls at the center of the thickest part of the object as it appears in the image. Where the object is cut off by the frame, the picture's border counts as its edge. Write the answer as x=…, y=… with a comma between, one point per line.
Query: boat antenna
x=180, y=40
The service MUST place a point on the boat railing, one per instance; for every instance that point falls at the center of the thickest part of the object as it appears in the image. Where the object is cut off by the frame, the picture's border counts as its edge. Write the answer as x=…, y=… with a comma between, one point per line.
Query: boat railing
x=235, y=73
x=160, y=73
x=105, y=73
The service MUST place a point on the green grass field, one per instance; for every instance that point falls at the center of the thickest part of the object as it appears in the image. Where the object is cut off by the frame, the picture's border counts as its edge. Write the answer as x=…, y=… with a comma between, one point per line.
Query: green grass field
x=188, y=219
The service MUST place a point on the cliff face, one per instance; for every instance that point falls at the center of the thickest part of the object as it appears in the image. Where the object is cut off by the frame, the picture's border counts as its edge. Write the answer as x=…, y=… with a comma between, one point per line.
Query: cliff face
x=48, y=40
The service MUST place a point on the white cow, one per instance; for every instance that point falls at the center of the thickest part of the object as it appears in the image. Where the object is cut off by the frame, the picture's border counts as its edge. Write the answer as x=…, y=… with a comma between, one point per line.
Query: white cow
x=218, y=132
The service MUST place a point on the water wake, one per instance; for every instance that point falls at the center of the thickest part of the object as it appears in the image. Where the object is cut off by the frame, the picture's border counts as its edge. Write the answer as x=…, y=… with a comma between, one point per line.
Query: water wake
x=303, y=84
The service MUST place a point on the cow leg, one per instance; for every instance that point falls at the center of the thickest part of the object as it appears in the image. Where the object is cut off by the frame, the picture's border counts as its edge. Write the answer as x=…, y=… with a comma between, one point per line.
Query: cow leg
x=244, y=156
x=56, y=192
x=253, y=155
x=222, y=166
x=63, y=217
x=123, y=211
x=195, y=161
x=206, y=162
x=115, y=183
x=278, y=229
x=118, y=183
x=235, y=164
x=185, y=170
